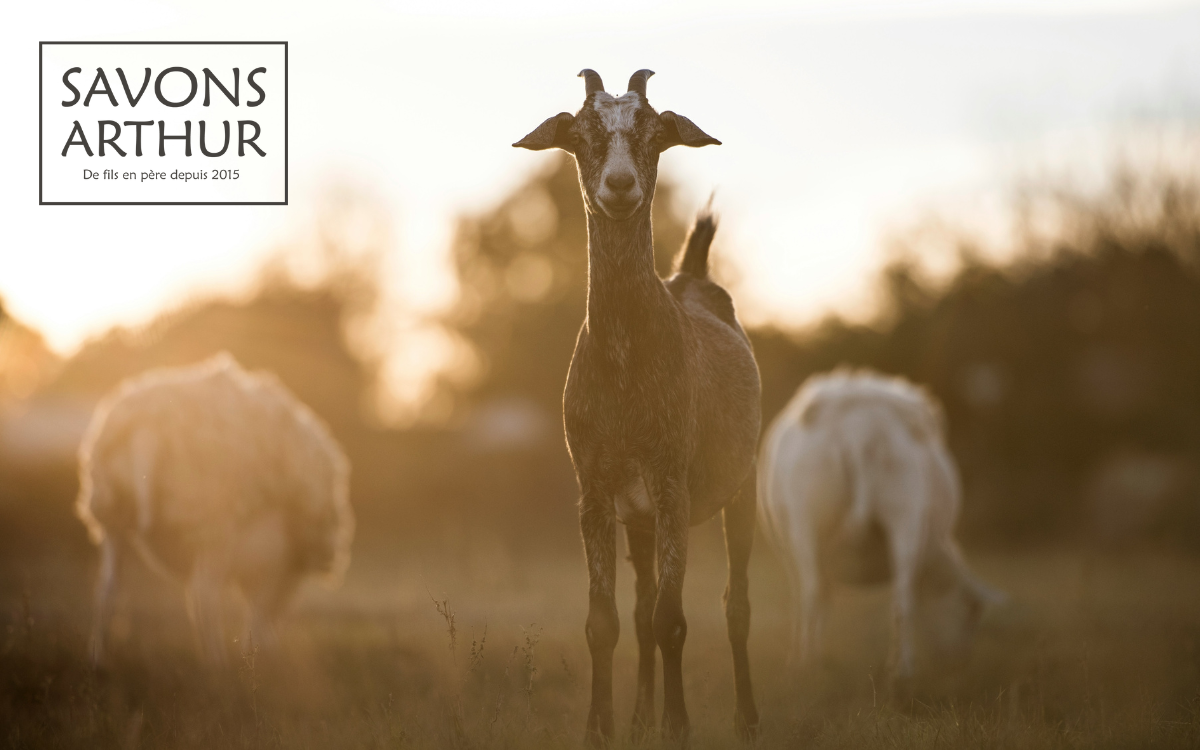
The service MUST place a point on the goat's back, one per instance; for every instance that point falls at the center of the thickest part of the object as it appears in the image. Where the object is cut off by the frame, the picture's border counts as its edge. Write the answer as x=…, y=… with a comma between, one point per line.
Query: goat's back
x=728, y=394
x=852, y=451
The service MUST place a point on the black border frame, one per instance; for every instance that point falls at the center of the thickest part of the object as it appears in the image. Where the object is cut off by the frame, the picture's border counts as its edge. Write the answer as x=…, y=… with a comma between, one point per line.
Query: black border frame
x=41, y=46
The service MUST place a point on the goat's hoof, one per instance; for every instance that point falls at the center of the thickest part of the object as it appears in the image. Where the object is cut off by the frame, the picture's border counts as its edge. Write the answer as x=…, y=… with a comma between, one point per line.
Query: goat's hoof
x=677, y=731
x=745, y=726
x=640, y=730
x=903, y=690
x=599, y=729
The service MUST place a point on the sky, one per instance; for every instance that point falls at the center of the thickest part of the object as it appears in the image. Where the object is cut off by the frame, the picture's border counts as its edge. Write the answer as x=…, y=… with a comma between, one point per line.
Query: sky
x=842, y=123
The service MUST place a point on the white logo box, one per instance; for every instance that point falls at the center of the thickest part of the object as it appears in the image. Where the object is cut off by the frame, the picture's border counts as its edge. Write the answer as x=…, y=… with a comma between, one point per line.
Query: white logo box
x=251, y=168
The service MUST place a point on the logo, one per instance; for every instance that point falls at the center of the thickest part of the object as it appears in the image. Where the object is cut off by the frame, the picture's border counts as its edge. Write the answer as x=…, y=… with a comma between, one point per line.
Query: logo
x=163, y=123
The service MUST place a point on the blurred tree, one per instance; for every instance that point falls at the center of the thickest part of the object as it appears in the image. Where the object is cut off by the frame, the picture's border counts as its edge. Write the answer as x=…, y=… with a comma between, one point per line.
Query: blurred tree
x=522, y=274
x=294, y=332
x=25, y=360
x=298, y=323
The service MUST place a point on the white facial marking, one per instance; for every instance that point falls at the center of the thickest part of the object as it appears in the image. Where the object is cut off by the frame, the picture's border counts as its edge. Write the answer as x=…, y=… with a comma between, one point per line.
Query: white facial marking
x=617, y=115
x=617, y=112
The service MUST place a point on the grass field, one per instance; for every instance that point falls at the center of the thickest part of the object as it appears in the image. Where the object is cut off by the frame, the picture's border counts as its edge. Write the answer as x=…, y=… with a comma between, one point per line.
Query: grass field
x=1090, y=652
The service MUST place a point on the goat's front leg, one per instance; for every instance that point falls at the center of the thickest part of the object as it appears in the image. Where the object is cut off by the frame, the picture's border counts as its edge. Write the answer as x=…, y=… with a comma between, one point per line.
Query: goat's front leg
x=739, y=536
x=598, y=526
x=672, y=513
x=641, y=554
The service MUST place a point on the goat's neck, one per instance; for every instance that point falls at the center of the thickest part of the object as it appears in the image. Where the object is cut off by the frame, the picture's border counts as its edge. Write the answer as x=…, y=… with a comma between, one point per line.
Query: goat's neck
x=622, y=284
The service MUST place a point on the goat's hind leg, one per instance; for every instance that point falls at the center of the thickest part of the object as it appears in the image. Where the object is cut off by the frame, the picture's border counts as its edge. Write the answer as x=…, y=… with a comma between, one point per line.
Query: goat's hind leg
x=813, y=601
x=739, y=537
x=641, y=554
x=267, y=577
x=106, y=590
x=904, y=650
x=205, y=590
x=267, y=599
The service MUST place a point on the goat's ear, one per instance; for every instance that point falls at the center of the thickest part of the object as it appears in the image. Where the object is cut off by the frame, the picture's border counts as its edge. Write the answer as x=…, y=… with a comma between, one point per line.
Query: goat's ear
x=553, y=133
x=680, y=131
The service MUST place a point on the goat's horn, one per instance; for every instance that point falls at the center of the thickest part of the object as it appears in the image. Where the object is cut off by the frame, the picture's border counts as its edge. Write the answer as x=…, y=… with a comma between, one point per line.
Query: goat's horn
x=591, y=79
x=637, y=81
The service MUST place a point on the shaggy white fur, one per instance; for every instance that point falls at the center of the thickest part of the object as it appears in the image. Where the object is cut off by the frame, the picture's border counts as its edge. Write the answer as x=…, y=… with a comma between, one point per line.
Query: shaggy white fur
x=854, y=454
x=214, y=475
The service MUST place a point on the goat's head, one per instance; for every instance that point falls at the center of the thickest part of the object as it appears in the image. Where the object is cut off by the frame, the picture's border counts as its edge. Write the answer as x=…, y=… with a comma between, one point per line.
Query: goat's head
x=616, y=141
x=950, y=603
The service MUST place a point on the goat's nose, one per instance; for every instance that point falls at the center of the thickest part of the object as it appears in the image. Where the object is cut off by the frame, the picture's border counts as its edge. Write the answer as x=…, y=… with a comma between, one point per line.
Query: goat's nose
x=619, y=181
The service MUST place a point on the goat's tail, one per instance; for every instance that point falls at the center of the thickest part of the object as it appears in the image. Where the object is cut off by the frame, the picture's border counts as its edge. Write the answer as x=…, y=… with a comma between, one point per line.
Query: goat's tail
x=694, y=258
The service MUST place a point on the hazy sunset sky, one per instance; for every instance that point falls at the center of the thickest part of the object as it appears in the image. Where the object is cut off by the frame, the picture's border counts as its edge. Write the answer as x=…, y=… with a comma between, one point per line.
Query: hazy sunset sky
x=841, y=121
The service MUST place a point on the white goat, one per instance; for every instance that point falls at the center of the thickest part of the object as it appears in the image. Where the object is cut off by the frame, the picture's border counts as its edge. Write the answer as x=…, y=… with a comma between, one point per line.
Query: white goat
x=852, y=455
x=214, y=476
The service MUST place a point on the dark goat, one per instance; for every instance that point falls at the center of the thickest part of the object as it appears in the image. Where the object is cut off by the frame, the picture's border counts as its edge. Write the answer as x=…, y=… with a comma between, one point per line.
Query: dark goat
x=661, y=408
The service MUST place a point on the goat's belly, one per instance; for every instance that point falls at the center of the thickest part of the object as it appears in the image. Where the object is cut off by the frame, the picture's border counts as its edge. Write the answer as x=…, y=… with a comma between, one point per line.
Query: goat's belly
x=633, y=506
